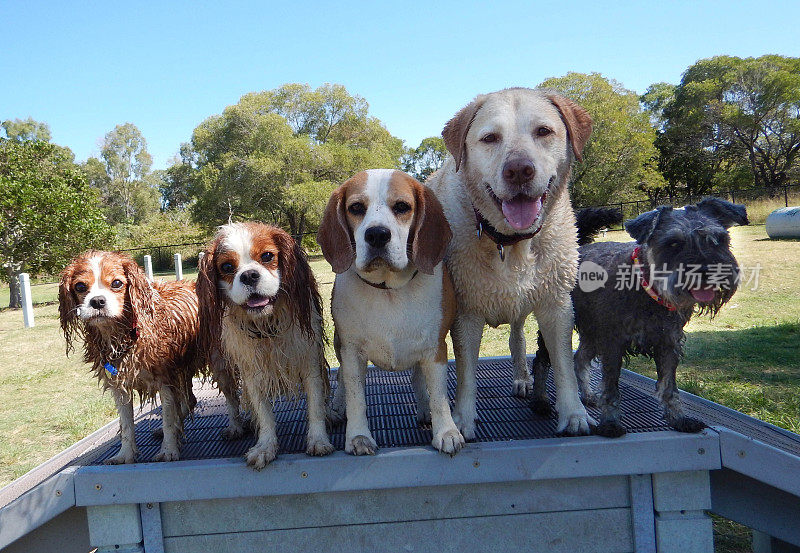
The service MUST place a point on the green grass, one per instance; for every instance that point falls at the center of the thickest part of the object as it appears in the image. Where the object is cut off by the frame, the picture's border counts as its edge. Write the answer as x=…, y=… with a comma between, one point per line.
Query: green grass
x=746, y=358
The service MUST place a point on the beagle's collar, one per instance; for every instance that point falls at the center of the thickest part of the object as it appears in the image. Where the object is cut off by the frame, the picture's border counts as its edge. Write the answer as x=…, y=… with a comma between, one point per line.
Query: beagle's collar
x=637, y=266
x=501, y=240
x=382, y=285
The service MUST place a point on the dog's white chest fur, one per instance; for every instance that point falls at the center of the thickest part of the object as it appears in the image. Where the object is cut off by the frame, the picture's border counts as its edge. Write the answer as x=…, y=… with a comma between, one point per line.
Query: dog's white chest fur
x=392, y=328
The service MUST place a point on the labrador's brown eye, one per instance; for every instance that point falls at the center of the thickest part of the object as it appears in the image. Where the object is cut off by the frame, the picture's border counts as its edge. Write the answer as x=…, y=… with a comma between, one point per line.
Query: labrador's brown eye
x=116, y=284
x=357, y=208
x=543, y=131
x=81, y=287
x=489, y=138
x=401, y=207
x=226, y=267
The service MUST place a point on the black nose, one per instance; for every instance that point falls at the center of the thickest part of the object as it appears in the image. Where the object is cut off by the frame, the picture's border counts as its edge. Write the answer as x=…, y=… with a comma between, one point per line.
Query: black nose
x=377, y=237
x=250, y=277
x=98, y=302
x=518, y=171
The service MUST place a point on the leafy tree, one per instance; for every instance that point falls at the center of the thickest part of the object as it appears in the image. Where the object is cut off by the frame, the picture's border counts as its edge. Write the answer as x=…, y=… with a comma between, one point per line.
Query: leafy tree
x=619, y=160
x=733, y=122
x=20, y=130
x=129, y=195
x=48, y=213
x=277, y=155
x=422, y=161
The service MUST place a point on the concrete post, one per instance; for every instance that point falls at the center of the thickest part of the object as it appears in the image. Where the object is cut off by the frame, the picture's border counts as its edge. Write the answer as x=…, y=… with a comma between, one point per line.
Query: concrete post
x=178, y=267
x=148, y=267
x=27, y=301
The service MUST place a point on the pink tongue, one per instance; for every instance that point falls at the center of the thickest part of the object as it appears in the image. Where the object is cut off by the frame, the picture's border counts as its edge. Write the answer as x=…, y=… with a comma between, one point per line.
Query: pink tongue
x=257, y=302
x=521, y=211
x=703, y=295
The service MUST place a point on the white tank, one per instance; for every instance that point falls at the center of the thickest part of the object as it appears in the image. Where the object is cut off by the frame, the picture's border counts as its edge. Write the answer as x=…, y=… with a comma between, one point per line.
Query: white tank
x=784, y=223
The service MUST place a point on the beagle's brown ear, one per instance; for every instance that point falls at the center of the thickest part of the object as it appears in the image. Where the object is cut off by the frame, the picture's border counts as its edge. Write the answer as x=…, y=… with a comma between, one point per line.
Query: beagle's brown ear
x=455, y=131
x=334, y=235
x=577, y=120
x=432, y=233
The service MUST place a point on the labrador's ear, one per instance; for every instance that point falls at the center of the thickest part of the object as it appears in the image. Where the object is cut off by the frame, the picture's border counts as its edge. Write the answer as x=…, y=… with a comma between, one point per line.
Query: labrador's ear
x=334, y=235
x=577, y=120
x=641, y=228
x=727, y=213
x=432, y=233
x=455, y=131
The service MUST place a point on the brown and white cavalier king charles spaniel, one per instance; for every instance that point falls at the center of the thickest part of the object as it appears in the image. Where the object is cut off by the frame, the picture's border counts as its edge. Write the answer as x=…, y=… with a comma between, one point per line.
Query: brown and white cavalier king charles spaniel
x=139, y=336
x=259, y=304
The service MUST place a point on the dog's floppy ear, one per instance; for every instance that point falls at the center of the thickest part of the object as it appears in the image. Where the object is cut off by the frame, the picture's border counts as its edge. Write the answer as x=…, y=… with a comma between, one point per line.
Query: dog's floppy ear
x=577, y=120
x=140, y=296
x=333, y=235
x=210, y=302
x=641, y=228
x=455, y=131
x=67, y=306
x=432, y=233
x=727, y=213
x=297, y=281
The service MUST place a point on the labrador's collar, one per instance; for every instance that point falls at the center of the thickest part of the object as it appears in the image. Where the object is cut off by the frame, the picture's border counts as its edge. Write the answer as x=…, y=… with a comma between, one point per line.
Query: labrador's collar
x=500, y=239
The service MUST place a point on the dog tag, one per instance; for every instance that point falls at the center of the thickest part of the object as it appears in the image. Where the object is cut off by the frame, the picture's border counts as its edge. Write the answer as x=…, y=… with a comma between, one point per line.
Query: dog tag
x=501, y=251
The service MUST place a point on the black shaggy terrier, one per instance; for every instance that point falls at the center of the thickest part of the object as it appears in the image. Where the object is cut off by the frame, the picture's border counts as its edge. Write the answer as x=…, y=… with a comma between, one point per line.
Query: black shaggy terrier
x=680, y=264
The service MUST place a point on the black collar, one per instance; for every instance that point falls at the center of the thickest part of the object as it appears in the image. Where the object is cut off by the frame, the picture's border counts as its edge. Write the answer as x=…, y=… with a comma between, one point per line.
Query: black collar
x=256, y=334
x=382, y=285
x=500, y=239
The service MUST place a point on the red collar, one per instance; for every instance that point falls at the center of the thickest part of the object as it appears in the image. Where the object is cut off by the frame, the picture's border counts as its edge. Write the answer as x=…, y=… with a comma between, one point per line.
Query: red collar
x=637, y=266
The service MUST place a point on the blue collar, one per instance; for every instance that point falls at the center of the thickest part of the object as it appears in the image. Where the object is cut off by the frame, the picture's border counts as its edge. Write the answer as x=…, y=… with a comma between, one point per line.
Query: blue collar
x=111, y=370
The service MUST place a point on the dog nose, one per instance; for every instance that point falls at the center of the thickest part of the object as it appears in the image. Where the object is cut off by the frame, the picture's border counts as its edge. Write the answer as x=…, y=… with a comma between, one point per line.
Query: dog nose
x=98, y=302
x=249, y=277
x=518, y=171
x=377, y=237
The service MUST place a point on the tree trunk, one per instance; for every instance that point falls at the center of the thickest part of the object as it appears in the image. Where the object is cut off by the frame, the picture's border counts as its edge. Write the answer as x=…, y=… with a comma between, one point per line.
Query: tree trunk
x=15, y=301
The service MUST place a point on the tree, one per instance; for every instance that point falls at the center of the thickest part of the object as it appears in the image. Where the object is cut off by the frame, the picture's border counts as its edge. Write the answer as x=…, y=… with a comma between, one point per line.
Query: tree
x=733, y=122
x=20, y=130
x=424, y=160
x=129, y=196
x=619, y=160
x=277, y=155
x=48, y=213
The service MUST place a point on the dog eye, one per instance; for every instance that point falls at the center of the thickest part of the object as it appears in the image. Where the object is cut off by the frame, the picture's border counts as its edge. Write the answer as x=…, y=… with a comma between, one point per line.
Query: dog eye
x=226, y=267
x=81, y=287
x=543, y=131
x=489, y=138
x=675, y=244
x=400, y=208
x=266, y=257
x=116, y=284
x=357, y=209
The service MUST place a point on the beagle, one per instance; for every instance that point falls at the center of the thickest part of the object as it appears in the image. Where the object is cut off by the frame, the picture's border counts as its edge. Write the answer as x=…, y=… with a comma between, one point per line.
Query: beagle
x=393, y=303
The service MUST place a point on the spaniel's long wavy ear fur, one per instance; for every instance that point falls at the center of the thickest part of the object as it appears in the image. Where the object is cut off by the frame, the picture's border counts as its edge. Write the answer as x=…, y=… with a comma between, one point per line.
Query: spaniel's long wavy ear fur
x=432, y=233
x=211, y=302
x=298, y=283
x=139, y=297
x=68, y=307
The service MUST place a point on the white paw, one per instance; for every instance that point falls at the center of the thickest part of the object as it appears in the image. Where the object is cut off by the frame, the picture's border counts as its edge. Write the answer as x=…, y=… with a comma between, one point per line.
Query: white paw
x=318, y=446
x=523, y=388
x=168, y=454
x=124, y=457
x=450, y=441
x=259, y=456
x=465, y=423
x=361, y=445
x=575, y=421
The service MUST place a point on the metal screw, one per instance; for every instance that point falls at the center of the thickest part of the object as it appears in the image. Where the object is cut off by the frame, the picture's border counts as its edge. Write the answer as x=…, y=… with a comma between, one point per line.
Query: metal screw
x=58, y=493
x=741, y=453
x=701, y=451
x=149, y=505
x=98, y=487
x=476, y=464
x=304, y=474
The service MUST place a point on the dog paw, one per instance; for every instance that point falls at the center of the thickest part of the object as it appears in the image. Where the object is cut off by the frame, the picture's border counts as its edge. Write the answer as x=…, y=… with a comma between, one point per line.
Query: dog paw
x=157, y=434
x=361, y=445
x=450, y=441
x=423, y=416
x=610, y=429
x=234, y=431
x=688, y=424
x=259, y=456
x=542, y=407
x=465, y=424
x=319, y=446
x=122, y=458
x=574, y=422
x=523, y=388
x=336, y=416
x=590, y=400
x=168, y=454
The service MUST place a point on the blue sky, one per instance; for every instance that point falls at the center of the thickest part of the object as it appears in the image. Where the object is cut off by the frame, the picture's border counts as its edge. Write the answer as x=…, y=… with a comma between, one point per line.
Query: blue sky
x=166, y=66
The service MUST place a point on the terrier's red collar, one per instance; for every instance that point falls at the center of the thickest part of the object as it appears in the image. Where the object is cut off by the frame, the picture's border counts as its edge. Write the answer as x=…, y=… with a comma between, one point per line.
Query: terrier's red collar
x=637, y=266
